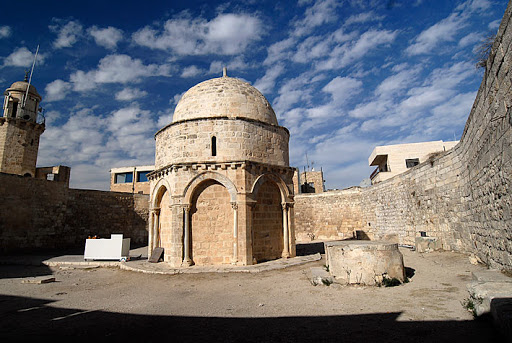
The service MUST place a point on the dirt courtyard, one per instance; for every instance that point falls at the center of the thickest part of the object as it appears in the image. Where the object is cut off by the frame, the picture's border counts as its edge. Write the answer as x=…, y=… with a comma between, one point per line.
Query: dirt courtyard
x=273, y=306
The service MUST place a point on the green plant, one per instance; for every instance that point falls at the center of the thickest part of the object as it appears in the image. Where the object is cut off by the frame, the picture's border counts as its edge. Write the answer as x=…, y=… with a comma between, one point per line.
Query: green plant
x=471, y=303
x=326, y=267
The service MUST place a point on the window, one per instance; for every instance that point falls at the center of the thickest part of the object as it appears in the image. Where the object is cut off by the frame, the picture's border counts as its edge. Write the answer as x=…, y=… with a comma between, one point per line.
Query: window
x=142, y=176
x=411, y=162
x=214, y=146
x=124, y=178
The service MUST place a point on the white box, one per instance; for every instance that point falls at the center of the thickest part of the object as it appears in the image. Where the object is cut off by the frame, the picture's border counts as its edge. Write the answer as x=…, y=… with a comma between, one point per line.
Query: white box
x=115, y=248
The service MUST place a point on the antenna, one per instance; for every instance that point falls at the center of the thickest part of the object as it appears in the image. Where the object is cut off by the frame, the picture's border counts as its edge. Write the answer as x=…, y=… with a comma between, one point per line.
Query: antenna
x=307, y=161
x=30, y=79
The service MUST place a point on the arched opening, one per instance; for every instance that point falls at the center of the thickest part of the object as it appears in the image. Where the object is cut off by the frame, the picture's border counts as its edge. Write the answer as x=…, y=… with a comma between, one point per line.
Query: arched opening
x=14, y=109
x=267, y=223
x=214, y=146
x=211, y=224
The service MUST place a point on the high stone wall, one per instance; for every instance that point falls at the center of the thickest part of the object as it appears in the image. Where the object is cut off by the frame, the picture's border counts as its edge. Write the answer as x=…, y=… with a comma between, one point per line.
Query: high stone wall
x=43, y=215
x=463, y=197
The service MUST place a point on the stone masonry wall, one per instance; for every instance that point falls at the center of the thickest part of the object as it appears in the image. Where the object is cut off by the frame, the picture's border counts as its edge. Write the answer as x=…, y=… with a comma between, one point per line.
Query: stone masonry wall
x=236, y=140
x=328, y=216
x=43, y=215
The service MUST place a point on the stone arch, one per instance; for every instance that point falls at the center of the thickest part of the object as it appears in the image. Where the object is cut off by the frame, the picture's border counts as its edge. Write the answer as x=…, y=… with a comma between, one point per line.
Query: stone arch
x=268, y=242
x=223, y=180
x=160, y=186
x=283, y=188
x=211, y=223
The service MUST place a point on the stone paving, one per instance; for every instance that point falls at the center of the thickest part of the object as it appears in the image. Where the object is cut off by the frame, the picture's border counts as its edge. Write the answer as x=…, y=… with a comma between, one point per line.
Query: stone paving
x=139, y=263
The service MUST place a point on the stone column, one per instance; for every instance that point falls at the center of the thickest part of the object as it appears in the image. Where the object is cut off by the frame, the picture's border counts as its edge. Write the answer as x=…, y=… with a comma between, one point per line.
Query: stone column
x=153, y=229
x=187, y=261
x=291, y=230
x=150, y=232
x=235, y=232
x=286, y=238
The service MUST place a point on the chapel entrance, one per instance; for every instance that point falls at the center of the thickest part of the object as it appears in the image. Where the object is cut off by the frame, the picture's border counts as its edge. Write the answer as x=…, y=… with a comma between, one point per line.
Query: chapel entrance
x=211, y=224
x=267, y=223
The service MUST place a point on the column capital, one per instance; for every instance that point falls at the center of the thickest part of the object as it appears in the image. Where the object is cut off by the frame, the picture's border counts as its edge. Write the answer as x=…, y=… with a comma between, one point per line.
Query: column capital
x=234, y=205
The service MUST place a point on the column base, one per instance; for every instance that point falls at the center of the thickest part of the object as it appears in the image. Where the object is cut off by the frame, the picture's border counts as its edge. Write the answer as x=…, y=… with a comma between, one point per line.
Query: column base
x=285, y=254
x=187, y=263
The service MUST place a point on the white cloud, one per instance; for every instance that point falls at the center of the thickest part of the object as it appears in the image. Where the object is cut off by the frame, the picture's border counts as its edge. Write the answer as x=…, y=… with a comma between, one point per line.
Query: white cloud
x=129, y=94
x=107, y=37
x=67, y=34
x=493, y=25
x=191, y=71
x=362, y=18
x=342, y=89
x=227, y=34
x=445, y=30
x=5, y=32
x=279, y=51
x=351, y=52
x=57, y=90
x=322, y=12
x=267, y=83
x=22, y=57
x=117, y=69
x=470, y=39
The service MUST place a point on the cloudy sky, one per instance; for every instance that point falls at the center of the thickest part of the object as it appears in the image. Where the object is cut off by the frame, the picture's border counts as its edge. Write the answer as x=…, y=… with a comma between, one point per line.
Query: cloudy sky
x=342, y=76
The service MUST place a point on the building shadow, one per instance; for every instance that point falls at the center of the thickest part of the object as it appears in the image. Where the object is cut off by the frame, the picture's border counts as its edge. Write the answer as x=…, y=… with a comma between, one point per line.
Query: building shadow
x=304, y=249
x=30, y=318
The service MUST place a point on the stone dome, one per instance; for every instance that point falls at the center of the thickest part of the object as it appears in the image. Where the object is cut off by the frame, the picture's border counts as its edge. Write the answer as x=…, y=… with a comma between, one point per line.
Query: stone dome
x=21, y=86
x=224, y=97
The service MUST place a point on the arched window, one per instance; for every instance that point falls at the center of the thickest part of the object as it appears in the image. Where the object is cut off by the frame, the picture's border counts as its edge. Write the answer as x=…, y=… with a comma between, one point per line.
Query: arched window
x=214, y=146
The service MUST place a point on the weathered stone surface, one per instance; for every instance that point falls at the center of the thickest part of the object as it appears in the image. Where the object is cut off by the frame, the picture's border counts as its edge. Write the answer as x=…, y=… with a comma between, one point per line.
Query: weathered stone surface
x=482, y=294
x=364, y=262
x=490, y=276
x=427, y=244
x=319, y=276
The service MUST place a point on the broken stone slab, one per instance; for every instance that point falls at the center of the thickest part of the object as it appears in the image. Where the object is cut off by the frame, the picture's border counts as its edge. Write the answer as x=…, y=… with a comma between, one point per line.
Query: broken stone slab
x=364, y=262
x=320, y=276
x=490, y=275
x=483, y=293
x=427, y=244
x=38, y=280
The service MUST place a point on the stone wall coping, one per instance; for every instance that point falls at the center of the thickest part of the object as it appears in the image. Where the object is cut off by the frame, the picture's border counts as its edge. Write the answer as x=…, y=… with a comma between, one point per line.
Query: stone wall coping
x=351, y=190
x=363, y=245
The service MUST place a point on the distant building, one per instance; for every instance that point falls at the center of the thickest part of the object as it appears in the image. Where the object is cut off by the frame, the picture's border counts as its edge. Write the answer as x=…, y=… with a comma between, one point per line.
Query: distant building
x=308, y=182
x=395, y=159
x=130, y=179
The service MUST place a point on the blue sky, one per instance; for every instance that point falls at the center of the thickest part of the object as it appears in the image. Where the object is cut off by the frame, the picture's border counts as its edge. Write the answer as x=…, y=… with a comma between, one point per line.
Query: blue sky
x=342, y=76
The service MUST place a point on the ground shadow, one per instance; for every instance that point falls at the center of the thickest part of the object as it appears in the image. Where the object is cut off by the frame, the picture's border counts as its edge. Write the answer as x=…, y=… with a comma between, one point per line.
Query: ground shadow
x=31, y=318
x=409, y=272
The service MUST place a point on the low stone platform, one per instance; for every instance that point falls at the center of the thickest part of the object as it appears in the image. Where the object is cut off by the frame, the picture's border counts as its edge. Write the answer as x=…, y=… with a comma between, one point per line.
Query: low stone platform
x=490, y=294
x=364, y=262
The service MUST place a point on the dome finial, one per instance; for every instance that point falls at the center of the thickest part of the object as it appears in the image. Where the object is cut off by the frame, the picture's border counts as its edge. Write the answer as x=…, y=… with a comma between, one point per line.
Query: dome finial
x=224, y=72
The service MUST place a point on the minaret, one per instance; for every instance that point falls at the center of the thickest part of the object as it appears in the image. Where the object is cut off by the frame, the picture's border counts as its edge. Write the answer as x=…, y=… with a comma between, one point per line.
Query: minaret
x=20, y=129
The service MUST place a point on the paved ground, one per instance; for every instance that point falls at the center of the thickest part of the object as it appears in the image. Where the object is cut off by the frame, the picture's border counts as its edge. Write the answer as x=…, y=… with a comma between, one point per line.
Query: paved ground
x=279, y=305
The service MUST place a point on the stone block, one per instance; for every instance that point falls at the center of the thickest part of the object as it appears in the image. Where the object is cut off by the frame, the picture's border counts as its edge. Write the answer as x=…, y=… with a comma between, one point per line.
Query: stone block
x=482, y=294
x=320, y=276
x=364, y=262
x=427, y=244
